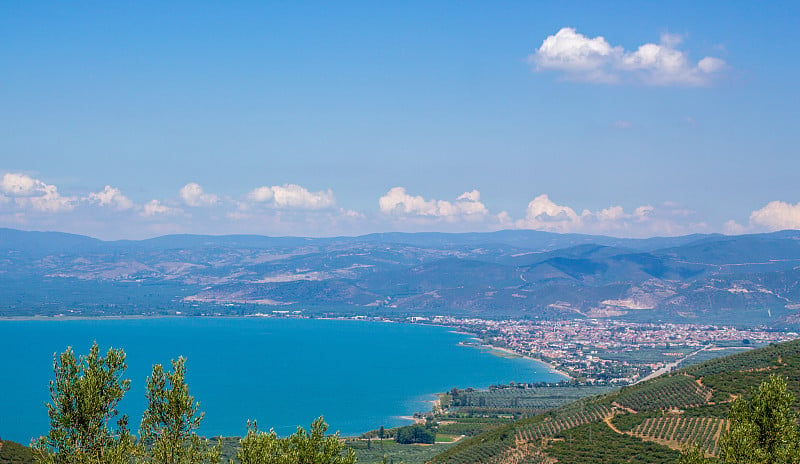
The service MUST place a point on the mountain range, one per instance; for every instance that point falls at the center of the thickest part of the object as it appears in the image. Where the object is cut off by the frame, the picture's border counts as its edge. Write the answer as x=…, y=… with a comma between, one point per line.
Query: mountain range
x=747, y=279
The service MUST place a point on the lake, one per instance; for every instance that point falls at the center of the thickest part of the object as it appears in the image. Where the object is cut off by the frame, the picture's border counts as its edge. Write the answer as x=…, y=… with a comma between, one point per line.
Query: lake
x=283, y=372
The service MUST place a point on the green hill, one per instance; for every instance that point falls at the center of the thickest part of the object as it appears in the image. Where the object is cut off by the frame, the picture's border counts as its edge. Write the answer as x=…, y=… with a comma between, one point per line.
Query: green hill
x=14, y=453
x=643, y=423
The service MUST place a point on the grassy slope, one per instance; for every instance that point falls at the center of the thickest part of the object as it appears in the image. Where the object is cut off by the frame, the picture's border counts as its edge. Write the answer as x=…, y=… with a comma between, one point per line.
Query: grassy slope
x=647, y=422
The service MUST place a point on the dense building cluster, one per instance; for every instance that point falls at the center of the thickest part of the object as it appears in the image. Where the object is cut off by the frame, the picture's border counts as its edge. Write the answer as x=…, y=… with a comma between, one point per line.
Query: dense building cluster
x=612, y=351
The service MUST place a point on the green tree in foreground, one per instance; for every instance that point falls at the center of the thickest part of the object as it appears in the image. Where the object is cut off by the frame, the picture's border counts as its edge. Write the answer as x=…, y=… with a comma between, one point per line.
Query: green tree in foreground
x=312, y=447
x=171, y=419
x=761, y=430
x=85, y=394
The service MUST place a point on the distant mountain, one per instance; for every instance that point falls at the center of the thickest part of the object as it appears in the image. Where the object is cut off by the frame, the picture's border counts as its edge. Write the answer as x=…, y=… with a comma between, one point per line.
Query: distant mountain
x=749, y=279
x=46, y=242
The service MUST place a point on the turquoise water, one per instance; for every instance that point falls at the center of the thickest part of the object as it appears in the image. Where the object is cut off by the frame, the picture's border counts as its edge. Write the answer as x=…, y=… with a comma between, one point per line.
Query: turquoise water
x=282, y=372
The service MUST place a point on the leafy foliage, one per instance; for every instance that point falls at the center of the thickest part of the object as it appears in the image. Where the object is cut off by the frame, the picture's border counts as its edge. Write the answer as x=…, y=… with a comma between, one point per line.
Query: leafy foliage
x=85, y=394
x=763, y=429
x=415, y=434
x=311, y=447
x=171, y=418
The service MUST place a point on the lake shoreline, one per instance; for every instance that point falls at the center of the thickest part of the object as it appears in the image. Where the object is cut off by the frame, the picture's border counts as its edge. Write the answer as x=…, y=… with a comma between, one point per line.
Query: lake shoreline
x=222, y=344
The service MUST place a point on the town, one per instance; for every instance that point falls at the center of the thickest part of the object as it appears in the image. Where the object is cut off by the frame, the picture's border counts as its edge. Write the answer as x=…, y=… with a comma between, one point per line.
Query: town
x=613, y=352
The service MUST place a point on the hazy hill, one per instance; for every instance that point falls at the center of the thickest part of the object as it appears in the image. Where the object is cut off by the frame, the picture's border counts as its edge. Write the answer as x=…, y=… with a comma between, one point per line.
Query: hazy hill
x=749, y=279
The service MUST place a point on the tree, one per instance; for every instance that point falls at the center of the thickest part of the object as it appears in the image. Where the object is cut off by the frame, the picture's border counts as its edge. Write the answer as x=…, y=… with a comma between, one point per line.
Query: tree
x=171, y=419
x=303, y=447
x=414, y=434
x=85, y=394
x=761, y=430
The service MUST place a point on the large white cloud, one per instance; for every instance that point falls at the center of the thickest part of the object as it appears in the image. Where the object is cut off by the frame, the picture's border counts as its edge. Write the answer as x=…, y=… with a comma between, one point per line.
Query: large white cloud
x=777, y=215
x=20, y=185
x=29, y=192
x=578, y=57
x=398, y=202
x=193, y=195
x=111, y=197
x=292, y=196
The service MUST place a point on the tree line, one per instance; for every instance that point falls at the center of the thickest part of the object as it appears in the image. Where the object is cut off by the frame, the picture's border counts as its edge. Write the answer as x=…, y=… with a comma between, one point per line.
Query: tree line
x=87, y=428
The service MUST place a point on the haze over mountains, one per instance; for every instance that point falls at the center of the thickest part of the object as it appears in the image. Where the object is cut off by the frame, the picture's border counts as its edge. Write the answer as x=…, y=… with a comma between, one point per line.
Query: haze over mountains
x=749, y=279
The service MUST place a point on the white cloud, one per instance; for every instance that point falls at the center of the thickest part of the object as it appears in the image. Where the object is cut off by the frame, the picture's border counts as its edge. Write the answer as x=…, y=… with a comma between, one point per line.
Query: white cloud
x=29, y=192
x=733, y=228
x=612, y=213
x=710, y=64
x=470, y=196
x=399, y=203
x=156, y=208
x=292, y=196
x=295, y=196
x=20, y=185
x=351, y=214
x=578, y=57
x=777, y=215
x=193, y=195
x=544, y=214
x=643, y=212
x=261, y=194
x=111, y=197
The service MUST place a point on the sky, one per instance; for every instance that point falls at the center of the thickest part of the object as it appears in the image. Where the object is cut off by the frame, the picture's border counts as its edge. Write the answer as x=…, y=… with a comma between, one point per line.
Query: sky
x=632, y=119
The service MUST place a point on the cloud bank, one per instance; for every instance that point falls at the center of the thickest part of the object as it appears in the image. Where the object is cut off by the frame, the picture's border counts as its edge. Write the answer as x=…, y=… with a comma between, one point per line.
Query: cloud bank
x=290, y=196
x=543, y=213
x=398, y=203
x=775, y=215
x=580, y=58
x=193, y=195
x=24, y=191
x=112, y=198
x=291, y=209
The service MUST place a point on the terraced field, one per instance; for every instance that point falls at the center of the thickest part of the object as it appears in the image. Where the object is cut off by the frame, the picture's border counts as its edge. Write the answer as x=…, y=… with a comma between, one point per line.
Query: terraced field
x=648, y=422
x=683, y=432
x=677, y=391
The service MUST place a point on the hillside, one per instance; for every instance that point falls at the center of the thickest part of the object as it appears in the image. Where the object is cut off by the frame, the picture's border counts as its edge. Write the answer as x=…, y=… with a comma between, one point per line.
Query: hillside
x=646, y=423
x=746, y=280
x=14, y=453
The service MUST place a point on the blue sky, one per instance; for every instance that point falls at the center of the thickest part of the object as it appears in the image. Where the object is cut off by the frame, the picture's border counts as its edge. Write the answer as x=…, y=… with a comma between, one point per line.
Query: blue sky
x=128, y=120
